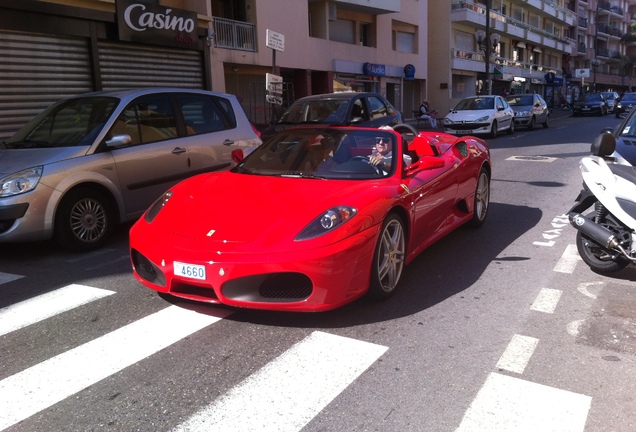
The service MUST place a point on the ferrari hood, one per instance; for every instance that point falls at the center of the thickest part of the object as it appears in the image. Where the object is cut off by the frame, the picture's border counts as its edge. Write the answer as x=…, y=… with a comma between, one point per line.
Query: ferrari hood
x=239, y=208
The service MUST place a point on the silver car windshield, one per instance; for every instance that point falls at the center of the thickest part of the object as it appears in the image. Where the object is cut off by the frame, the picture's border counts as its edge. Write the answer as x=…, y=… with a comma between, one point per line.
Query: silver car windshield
x=323, y=153
x=69, y=123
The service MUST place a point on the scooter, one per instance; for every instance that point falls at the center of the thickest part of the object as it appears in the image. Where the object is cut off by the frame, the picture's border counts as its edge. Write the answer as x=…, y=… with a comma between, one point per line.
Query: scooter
x=606, y=236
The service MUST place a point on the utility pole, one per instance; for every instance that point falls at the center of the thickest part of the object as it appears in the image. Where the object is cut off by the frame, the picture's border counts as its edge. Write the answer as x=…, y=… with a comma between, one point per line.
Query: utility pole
x=487, y=51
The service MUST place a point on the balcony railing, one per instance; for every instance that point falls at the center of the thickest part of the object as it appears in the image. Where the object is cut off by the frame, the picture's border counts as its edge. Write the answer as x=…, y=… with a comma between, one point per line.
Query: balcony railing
x=236, y=35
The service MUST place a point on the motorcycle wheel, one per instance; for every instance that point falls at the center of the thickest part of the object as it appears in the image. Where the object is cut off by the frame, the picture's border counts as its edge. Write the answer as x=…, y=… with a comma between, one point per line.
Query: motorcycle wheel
x=596, y=257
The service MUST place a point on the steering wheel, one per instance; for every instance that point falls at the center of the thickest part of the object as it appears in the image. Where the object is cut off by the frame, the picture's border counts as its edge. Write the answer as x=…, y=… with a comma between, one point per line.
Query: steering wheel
x=367, y=159
x=405, y=129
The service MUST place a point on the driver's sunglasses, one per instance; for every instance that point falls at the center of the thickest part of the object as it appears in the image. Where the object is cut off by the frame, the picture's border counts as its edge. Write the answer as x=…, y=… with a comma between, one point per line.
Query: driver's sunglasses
x=383, y=141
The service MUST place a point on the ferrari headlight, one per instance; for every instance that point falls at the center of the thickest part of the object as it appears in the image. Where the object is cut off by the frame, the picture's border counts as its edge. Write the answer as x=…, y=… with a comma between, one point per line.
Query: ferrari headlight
x=326, y=222
x=156, y=207
x=482, y=119
x=20, y=182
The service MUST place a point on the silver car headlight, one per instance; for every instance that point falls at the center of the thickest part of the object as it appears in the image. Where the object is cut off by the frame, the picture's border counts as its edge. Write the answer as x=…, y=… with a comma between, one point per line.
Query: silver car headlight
x=326, y=222
x=20, y=182
x=482, y=119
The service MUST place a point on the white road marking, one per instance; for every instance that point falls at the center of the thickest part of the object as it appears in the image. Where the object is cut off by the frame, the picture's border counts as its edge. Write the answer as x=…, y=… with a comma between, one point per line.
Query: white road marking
x=8, y=277
x=532, y=158
x=507, y=404
x=583, y=288
x=288, y=392
x=518, y=353
x=574, y=328
x=569, y=259
x=546, y=300
x=44, y=306
x=37, y=388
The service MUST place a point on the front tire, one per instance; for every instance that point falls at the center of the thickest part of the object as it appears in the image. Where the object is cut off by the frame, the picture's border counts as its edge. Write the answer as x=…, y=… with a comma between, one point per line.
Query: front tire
x=84, y=220
x=531, y=124
x=511, y=128
x=388, y=258
x=546, y=123
x=482, y=199
x=493, y=129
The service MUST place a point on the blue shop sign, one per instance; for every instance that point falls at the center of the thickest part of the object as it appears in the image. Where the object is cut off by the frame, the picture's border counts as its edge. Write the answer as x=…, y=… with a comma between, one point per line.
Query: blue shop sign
x=409, y=72
x=371, y=69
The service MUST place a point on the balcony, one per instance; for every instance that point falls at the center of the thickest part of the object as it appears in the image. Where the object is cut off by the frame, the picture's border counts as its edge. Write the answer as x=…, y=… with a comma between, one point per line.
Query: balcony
x=474, y=61
x=235, y=35
x=609, y=30
x=582, y=22
x=474, y=13
x=374, y=7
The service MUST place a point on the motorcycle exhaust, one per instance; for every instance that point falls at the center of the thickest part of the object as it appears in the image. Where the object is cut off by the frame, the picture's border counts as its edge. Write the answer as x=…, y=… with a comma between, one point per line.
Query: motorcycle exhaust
x=595, y=232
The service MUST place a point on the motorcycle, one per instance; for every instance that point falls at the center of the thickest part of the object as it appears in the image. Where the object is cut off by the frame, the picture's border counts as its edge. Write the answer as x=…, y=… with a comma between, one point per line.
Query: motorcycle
x=606, y=236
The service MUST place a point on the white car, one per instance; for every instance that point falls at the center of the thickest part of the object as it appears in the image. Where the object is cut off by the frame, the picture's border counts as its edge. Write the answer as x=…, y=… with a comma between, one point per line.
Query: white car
x=480, y=115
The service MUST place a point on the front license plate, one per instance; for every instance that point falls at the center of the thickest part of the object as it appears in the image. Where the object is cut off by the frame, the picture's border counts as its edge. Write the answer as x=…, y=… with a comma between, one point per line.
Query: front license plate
x=586, y=109
x=190, y=271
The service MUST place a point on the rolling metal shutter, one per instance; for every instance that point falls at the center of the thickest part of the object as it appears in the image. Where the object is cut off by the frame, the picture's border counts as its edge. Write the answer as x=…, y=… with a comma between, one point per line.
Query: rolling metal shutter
x=131, y=66
x=36, y=71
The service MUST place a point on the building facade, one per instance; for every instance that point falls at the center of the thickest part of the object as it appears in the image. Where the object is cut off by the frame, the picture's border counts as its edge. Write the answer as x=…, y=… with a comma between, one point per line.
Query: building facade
x=407, y=50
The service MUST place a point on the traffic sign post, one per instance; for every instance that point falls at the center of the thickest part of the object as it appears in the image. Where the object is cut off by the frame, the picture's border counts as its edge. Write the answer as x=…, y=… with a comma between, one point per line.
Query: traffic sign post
x=274, y=83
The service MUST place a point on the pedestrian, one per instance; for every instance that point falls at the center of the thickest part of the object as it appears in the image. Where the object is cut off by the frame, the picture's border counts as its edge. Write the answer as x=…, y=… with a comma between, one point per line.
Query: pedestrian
x=427, y=114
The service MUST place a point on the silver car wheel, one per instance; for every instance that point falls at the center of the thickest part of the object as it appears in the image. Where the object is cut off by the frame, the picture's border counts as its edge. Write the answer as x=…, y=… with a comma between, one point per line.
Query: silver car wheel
x=390, y=257
x=88, y=220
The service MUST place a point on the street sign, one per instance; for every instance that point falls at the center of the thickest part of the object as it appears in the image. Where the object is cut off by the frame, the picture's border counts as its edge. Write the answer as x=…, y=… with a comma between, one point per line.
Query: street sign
x=274, y=83
x=273, y=99
x=582, y=73
x=275, y=41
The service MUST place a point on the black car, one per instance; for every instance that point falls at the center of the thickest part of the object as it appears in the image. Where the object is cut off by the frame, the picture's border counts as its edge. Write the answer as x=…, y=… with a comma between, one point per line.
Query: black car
x=337, y=109
x=590, y=103
x=625, y=104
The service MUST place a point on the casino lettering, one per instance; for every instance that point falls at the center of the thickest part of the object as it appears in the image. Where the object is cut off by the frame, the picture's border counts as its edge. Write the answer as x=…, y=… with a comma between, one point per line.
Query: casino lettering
x=147, y=20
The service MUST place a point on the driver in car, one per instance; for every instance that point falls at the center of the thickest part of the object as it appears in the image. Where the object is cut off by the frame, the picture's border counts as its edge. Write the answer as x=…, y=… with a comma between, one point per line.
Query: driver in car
x=381, y=154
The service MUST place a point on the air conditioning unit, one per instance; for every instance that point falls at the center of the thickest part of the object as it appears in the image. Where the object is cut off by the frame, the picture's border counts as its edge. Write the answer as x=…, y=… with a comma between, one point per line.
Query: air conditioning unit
x=333, y=12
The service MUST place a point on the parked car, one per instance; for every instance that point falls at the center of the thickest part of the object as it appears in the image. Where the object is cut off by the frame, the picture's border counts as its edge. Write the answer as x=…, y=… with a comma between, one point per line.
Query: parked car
x=89, y=162
x=530, y=110
x=480, y=115
x=316, y=224
x=625, y=134
x=611, y=97
x=590, y=103
x=625, y=104
x=338, y=109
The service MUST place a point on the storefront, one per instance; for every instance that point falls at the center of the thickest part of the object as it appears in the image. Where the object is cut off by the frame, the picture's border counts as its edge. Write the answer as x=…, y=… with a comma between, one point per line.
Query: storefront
x=77, y=50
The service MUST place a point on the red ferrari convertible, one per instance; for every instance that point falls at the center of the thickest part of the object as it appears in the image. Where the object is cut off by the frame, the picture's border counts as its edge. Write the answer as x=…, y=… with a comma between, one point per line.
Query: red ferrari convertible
x=312, y=219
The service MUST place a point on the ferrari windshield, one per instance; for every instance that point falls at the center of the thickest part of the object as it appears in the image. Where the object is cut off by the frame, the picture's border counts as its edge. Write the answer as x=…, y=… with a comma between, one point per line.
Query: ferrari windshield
x=327, y=111
x=74, y=122
x=477, y=103
x=324, y=153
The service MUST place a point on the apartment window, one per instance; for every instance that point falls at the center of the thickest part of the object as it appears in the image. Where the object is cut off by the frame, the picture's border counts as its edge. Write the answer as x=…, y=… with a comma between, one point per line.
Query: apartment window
x=404, y=37
x=404, y=42
x=365, y=34
x=342, y=31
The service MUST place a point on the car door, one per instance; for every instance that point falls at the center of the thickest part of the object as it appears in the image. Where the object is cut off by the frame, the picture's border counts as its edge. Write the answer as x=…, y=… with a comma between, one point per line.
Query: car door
x=212, y=131
x=504, y=113
x=156, y=159
x=433, y=193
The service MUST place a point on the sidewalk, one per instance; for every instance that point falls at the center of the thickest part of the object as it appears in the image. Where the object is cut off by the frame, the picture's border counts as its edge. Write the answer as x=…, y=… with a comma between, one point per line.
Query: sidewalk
x=555, y=114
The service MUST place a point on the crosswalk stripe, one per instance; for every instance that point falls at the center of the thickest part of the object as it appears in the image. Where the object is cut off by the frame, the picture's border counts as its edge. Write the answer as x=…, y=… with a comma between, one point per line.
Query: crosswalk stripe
x=546, y=300
x=44, y=306
x=569, y=259
x=288, y=392
x=37, y=388
x=518, y=353
x=8, y=277
x=511, y=404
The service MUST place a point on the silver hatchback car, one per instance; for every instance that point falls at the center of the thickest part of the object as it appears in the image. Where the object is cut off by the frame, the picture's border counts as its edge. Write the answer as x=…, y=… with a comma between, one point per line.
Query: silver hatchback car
x=89, y=162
